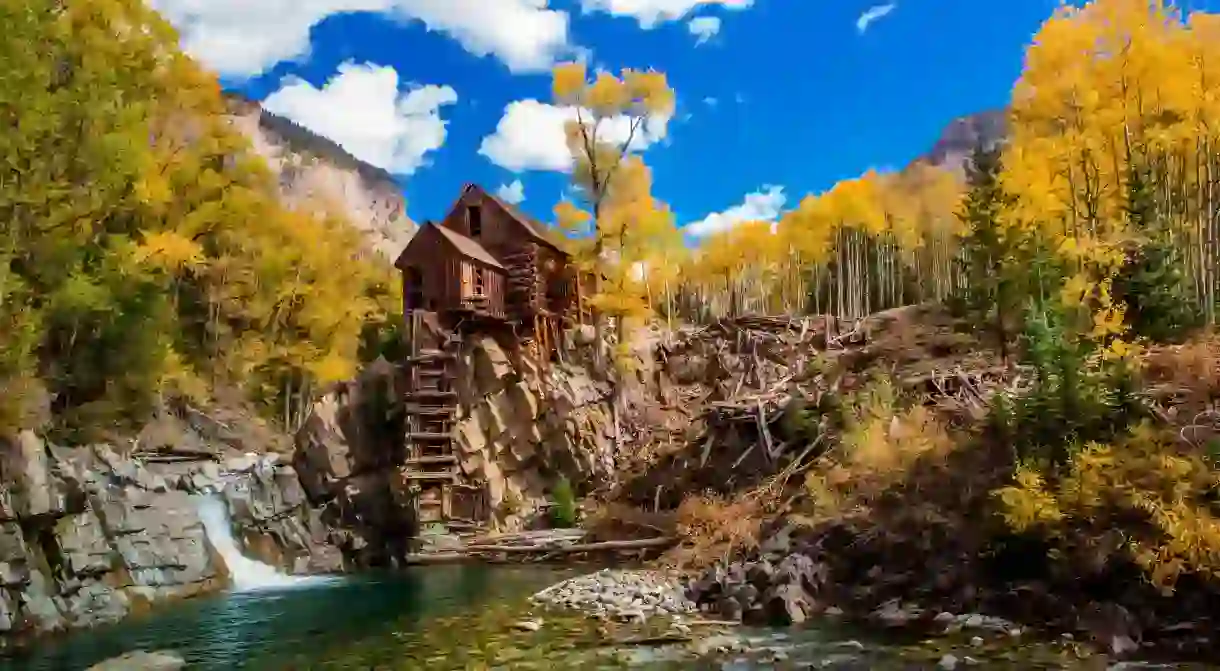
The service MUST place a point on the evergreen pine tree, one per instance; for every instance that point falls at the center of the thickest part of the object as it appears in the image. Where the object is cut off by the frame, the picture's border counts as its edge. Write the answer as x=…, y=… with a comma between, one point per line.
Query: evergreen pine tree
x=989, y=291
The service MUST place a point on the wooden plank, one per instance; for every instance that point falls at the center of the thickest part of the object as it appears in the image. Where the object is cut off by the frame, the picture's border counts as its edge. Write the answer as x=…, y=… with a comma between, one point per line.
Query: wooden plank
x=430, y=394
x=429, y=435
x=437, y=459
x=431, y=475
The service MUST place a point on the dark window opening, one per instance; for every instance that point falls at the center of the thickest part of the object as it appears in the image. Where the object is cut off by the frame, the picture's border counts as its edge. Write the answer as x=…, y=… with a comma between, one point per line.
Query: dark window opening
x=474, y=214
x=478, y=282
x=415, y=288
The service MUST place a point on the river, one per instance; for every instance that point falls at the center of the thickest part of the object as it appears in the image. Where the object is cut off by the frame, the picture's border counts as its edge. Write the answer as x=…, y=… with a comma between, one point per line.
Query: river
x=449, y=617
x=466, y=617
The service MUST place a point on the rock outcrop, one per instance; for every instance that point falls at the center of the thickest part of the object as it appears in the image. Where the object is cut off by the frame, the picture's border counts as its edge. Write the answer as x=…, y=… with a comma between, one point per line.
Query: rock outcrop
x=959, y=138
x=520, y=427
x=88, y=535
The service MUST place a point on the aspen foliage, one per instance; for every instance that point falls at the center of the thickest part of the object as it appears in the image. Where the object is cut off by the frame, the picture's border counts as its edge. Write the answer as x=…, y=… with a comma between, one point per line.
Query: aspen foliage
x=1109, y=182
x=1141, y=477
x=618, y=230
x=145, y=252
x=870, y=243
x=1111, y=165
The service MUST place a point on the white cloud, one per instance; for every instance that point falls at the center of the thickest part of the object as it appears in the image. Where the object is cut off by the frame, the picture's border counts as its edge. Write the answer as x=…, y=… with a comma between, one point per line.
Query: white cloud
x=362, y=109
x=711, y=101
x=762, y=205
x=530, y=136
x=512, y=193
x=704, y=28
x=875, y=13
x=649, y=13
x=242, y=38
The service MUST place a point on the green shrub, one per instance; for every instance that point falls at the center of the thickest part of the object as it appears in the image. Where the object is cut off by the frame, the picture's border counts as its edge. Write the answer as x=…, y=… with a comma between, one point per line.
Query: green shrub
x=563, y=513
x=1076, y=395
x=1157, y=293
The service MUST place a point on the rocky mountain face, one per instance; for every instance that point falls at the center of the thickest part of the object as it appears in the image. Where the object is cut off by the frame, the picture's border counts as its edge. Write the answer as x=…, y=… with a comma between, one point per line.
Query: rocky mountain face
x=957, y=141
x=315, y=172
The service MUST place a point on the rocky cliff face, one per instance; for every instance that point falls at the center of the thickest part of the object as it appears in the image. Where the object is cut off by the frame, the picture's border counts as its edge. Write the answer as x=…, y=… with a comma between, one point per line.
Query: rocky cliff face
x=314, y=171
x=520, y=427
x=88, y=535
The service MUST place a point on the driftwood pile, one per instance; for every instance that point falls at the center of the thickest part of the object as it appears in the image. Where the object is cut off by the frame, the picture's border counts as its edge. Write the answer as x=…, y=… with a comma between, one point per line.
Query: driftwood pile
x=752, y=388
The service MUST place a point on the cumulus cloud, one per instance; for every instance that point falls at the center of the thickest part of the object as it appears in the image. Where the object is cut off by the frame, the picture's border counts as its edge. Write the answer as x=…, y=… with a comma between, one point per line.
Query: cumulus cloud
x=873, y=14
x=242, y=38
x=649, y=13
x=512, y=193
x=530, y=136
x=704, y=28
x=764, y=205
x=362, y=110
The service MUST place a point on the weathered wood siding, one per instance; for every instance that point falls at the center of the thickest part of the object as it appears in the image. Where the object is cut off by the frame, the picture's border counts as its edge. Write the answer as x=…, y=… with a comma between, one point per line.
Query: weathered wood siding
x=499, y=232
x=438, y=266
x=493, y=285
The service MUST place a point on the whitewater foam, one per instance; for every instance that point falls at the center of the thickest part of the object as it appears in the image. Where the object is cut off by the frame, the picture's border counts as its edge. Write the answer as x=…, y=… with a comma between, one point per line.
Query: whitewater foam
x=248, y=575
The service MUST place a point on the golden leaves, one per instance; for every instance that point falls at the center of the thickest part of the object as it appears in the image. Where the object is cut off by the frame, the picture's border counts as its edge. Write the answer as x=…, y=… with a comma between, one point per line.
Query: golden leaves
x=607, y=95
x=170, y=251
x=568, y=83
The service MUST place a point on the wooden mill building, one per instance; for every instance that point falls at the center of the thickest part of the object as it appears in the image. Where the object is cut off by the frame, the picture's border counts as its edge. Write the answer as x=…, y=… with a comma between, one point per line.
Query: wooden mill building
x=485, y=267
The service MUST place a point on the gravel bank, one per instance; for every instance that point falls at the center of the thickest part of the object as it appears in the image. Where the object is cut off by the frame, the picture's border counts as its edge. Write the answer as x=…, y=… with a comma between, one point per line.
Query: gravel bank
x=619, y=594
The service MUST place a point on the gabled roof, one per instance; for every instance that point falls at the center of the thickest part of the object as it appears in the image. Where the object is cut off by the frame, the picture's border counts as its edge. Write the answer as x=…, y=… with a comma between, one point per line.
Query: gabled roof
x=460, y=243
x=469, y=247
x=533, y=228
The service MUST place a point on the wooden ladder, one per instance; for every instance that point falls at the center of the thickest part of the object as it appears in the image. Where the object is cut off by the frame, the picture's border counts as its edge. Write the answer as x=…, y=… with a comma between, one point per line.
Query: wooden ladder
x=430, y=411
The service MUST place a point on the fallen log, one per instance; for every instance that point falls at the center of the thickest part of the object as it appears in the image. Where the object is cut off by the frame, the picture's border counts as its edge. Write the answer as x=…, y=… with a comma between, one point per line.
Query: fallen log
x=634, y=544
x=479, y=552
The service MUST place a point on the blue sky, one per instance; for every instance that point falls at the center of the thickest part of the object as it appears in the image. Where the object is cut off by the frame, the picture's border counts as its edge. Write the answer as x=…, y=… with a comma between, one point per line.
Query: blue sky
x=787, y=97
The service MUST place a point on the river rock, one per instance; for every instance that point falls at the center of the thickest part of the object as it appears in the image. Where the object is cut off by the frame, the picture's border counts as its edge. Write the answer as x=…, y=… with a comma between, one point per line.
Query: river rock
x=159, y=660
x=626, y=595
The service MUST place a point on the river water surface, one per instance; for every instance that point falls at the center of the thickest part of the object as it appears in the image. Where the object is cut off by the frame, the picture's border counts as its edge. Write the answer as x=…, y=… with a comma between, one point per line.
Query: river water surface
x=463, y=617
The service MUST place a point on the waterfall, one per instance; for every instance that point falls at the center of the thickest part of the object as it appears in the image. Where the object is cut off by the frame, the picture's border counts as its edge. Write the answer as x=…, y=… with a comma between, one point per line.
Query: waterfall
x=247, y=574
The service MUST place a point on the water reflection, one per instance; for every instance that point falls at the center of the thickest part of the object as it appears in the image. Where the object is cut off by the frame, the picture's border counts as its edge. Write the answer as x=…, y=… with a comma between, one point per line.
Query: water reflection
x=267, y=629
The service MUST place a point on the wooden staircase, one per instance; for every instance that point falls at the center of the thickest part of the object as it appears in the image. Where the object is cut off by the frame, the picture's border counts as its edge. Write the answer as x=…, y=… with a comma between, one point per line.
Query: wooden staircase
x=430, y=402
x=430, y=409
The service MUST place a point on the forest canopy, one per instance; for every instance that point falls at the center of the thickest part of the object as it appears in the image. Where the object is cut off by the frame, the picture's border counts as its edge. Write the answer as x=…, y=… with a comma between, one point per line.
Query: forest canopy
x=1105, y=194
x=146, y=256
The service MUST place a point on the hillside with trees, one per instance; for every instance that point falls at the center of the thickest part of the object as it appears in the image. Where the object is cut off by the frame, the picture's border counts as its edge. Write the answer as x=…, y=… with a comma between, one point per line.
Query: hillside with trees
x=1074, y=265
x=139, y=272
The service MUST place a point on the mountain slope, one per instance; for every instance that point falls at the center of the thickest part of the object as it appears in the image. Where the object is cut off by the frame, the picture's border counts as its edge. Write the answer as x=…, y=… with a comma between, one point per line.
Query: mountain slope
x=314, y=171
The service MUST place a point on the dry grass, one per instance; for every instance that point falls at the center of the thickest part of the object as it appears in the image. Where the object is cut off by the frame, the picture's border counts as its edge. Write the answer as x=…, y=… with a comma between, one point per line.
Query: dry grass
x=1192, y=368
x=715, y=529
x=876, y=454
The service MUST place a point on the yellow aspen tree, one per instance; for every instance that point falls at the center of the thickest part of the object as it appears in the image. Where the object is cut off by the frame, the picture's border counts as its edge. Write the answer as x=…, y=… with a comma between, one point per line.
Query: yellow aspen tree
x=601, y=104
